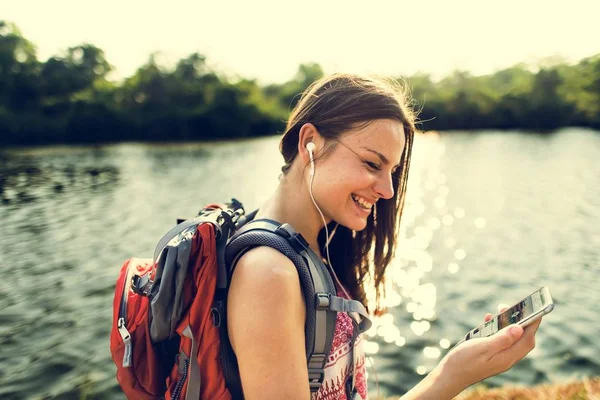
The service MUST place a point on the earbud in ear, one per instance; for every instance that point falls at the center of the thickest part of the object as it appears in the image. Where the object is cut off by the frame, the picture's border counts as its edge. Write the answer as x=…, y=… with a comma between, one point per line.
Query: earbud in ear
x=310, y=146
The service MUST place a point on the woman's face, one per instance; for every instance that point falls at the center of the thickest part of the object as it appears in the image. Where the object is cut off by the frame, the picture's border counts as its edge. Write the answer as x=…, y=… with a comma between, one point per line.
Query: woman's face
x=358, y=172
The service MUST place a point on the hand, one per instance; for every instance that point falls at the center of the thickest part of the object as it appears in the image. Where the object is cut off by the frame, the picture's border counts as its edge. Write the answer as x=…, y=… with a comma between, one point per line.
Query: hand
x=474, y=360
x=480, y=358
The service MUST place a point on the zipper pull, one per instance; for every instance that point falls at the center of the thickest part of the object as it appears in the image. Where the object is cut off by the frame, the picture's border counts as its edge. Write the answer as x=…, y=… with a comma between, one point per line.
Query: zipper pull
x=126, y=336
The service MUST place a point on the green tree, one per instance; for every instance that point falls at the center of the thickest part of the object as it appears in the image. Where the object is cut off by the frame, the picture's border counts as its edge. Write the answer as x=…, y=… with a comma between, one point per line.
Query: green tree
x=19, y=70
x=547, y=108
x=289, y=91
x=74, y=72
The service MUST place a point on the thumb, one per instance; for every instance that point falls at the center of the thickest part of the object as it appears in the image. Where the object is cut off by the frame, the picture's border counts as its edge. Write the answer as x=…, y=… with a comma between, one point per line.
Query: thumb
x=506, y=337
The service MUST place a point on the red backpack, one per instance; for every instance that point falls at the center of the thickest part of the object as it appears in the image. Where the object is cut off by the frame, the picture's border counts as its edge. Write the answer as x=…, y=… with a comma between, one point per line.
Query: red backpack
x=169, y=334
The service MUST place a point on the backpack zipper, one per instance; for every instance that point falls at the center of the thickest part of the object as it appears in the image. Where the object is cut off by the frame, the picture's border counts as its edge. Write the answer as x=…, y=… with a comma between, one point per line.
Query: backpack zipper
x=180, y=382
x=126, y=341
x=122, y=321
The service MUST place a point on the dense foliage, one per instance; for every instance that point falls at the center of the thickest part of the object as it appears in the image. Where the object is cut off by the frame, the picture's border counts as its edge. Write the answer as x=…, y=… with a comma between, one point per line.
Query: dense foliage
x=68, y=98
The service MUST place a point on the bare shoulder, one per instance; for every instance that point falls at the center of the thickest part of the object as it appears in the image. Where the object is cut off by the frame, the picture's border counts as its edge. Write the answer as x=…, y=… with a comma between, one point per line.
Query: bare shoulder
x=266, y=281
x=265, y=319
x=266, y=266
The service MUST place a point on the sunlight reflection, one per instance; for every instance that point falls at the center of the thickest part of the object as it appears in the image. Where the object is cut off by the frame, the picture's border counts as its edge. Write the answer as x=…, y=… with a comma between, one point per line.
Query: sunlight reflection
x=460, y=254
x=480, y=222
x=371, y=347
x=434, y=223
x=444, y=343
x=390, y=333
x=459, y=212
x=411, y=307
x=411, y=213
x=415, y=326
x=425, y=295
x=421, y=370
x=439, y=202
x=432, y=352
x=453, y=268
x=420, y=327
x=444, y=190
x=411, y=281
x=424, y=313
x=392, y=299
x=450, y=242
x=447, y=220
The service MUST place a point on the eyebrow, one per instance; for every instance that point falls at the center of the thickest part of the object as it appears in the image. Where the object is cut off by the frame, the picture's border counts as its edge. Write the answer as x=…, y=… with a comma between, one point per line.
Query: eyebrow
x=381, y=156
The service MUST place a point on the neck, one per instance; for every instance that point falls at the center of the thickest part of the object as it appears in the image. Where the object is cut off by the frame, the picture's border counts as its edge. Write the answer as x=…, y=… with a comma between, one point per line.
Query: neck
x=291, y=203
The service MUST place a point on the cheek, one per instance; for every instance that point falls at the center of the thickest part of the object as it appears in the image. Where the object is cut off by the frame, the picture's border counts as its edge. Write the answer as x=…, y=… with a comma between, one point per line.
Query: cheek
x=357, y=177
x=341, y=182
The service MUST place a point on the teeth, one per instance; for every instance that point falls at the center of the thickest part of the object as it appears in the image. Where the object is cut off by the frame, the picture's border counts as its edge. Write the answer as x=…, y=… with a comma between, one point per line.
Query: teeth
x=363, y=203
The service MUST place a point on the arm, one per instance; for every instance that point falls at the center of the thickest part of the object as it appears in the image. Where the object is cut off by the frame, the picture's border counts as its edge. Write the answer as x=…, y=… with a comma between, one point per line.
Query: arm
x=475, y=360
x=266, y=316
x=435, y=386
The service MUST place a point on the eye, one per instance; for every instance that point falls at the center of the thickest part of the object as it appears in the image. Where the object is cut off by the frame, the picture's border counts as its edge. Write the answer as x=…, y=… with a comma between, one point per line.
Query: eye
x=373, y=165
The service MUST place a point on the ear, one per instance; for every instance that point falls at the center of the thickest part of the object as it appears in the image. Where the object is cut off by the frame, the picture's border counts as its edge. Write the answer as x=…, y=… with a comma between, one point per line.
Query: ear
x=308, y=133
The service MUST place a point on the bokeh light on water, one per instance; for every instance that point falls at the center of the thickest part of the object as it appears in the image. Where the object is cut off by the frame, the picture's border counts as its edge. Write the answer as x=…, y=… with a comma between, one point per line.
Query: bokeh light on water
x=453, y=265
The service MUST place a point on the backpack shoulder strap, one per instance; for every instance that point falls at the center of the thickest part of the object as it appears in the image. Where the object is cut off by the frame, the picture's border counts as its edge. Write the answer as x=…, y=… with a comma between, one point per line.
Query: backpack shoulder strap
x=322, y=302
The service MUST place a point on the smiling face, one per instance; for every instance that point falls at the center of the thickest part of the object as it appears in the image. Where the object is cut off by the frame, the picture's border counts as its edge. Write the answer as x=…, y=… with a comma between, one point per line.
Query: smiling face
x=350, y=174
x=358, y=172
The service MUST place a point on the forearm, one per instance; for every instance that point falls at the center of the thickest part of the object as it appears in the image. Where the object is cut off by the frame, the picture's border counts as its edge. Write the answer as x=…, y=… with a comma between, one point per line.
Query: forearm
x=438, y=385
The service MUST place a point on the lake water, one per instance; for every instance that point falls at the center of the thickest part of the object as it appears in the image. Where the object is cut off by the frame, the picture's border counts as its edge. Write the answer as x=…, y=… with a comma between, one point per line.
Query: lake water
x=490, y=217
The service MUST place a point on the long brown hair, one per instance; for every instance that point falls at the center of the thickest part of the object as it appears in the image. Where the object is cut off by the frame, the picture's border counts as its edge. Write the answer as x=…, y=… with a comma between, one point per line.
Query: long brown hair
x=335, y=105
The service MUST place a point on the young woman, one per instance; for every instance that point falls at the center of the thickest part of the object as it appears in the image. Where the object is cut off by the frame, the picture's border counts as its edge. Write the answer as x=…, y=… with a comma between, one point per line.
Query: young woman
x=347, y=150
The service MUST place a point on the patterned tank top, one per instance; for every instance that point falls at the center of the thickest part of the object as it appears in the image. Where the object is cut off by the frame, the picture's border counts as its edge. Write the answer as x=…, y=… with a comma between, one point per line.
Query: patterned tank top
x=338, y=367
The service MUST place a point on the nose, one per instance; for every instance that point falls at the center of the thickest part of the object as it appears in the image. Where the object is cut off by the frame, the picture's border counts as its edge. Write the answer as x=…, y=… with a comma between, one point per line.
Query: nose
x=384, y=187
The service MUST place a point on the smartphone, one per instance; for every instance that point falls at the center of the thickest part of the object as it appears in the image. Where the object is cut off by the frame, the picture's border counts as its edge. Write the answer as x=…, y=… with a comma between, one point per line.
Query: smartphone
x=526, y=311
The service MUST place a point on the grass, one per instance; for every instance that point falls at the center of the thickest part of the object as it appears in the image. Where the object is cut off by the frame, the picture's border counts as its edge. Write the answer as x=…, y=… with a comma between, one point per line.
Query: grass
x=586, y=389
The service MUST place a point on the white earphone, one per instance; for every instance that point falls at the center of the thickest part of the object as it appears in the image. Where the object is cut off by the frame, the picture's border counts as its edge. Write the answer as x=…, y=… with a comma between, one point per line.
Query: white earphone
x=310, y=147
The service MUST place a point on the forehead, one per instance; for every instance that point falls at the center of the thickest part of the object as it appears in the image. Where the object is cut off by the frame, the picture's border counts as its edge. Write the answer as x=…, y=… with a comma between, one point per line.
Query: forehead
x=385, y=136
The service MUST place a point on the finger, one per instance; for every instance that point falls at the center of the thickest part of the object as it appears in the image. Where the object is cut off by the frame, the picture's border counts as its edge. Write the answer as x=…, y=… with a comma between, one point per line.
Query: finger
x=502, y=307
x=487, y=317
x=520, y=348
x=533, y=327
x=505, y=338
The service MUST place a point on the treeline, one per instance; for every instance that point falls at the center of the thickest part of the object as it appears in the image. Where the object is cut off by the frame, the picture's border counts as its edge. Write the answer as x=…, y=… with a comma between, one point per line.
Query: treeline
x=68, y=98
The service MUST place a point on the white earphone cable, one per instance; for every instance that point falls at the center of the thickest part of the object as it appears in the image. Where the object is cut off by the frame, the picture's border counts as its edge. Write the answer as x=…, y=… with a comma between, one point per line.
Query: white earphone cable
x=312, y=177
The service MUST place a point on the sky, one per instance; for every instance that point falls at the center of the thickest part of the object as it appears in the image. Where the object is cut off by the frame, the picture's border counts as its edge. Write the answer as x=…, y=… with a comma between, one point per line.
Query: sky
x=267, y=40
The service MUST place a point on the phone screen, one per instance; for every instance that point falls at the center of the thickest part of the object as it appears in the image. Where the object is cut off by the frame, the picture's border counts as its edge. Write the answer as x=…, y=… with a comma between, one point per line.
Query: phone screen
x=516, y=313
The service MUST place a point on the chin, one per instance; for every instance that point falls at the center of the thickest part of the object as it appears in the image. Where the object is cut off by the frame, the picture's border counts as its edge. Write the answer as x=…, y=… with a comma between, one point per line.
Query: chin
x=354, y=223
x=361, y=226
x=350, y=218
